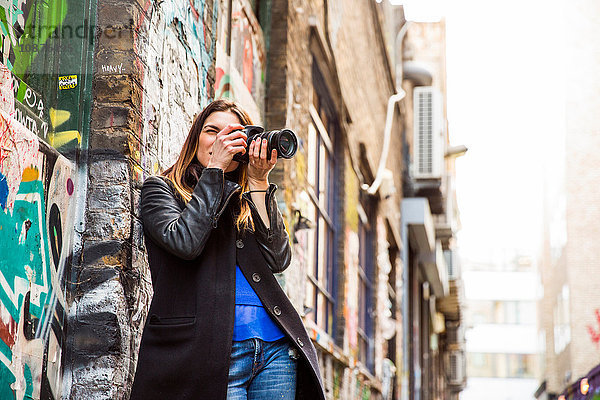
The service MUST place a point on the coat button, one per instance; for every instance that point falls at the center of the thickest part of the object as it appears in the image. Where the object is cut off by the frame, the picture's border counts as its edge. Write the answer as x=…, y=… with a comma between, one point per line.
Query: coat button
x=239, y=244
x=256, y=277
x=277, y=310
x=300, y=342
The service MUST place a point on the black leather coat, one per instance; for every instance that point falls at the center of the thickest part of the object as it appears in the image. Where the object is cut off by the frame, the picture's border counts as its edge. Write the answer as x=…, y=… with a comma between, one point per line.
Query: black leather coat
x=192, y=251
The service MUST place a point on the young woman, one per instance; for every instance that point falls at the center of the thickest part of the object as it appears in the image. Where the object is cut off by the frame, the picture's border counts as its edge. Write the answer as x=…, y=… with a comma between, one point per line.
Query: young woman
x=219, y=325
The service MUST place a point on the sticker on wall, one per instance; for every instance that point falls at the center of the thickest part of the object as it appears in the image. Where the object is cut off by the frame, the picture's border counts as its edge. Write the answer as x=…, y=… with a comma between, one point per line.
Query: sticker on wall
x=67, y=82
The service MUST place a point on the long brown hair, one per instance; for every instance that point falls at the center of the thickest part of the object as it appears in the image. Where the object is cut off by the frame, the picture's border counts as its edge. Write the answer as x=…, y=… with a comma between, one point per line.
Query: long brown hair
x=187, y=169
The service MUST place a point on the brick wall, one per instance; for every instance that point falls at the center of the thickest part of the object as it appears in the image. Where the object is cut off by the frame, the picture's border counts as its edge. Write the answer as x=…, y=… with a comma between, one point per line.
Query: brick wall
x=152, y=74
x=351, y=54
x=154, y=70
x=582, y=177
x=578, y=265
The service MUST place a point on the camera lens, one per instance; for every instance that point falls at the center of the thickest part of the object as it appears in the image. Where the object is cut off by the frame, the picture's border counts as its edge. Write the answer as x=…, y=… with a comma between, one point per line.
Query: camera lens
x=284, y=141
x=287, y=144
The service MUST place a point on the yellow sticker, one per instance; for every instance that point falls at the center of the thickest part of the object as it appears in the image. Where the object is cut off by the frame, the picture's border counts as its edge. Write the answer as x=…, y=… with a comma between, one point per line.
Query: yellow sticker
x=67, y=82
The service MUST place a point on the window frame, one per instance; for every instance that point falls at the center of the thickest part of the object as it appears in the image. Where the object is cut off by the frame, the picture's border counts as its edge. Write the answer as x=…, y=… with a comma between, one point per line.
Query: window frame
x=322, y=189
x=366, y=281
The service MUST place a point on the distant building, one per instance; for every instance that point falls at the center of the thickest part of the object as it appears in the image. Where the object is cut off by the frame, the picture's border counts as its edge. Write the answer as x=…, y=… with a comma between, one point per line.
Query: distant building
x=500, y=316
x=85, y=120
x=435, y=363
x=569, y=320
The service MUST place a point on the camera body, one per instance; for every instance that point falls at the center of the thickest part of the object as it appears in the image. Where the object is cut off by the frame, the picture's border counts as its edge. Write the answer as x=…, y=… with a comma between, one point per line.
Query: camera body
x=284, y=141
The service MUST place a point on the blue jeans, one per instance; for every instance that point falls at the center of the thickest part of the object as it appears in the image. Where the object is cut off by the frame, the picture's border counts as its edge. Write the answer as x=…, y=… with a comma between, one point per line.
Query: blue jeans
x=262, y=370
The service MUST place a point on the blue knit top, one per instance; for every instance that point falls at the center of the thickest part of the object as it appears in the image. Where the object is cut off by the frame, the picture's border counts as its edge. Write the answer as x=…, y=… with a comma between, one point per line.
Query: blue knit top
x=251, y=318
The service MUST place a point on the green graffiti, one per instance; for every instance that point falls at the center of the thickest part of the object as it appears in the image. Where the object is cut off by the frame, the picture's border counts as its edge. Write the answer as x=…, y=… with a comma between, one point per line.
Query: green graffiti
x=42, y=21
x=25, y=250
x=29, y=381
x=7, y=378
x=366, y=393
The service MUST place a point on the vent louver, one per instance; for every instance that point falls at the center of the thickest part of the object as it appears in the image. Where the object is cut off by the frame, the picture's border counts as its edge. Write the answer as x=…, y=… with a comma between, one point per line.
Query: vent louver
x=428, y=134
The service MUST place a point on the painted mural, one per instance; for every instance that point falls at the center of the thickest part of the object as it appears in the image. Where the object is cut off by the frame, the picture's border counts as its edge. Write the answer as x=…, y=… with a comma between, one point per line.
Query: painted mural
x=241, y=58
x=174, y=91
x=35, y=244
x=39, y=140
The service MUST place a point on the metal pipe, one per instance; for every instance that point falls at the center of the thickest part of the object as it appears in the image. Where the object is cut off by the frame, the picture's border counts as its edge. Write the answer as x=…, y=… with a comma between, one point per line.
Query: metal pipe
x=387, y=134
x=400, y=94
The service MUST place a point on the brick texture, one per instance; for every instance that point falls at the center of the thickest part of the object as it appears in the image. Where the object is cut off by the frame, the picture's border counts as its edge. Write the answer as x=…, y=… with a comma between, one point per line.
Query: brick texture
x=145, y=69
x=578, y=266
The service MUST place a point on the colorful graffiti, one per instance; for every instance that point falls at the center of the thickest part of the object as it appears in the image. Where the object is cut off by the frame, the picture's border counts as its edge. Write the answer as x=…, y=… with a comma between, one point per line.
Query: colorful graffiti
x=240, y=75
x=35, y=251
x=25, y=30
x=39, y=134
x=176, y=31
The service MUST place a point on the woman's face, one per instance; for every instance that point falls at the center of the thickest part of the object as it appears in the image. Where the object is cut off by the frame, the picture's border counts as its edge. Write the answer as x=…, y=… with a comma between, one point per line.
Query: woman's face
x=213, y=125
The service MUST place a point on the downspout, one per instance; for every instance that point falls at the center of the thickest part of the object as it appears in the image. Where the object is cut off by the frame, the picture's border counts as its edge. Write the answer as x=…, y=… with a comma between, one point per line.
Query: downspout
x=397, y=46
x=387, y=132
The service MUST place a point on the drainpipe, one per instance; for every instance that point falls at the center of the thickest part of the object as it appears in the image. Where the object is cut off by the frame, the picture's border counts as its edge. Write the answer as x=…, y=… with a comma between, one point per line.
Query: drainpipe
x=387, y=134
x=397, y=46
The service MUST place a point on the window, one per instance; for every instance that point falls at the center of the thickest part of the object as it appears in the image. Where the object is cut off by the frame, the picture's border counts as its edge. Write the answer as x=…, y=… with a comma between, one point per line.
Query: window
x=321, y=173
x=392, y=296
x=366, y=280
x=499, y=365
x=502, y=312
x=562, y=324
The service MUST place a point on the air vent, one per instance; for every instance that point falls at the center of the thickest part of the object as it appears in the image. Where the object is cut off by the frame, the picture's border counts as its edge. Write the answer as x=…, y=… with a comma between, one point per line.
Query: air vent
x=456, y=368
x=428, y=130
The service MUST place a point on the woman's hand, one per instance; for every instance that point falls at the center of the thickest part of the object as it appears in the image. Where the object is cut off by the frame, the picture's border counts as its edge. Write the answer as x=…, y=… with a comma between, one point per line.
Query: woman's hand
x=258, y=166
x=228, y=142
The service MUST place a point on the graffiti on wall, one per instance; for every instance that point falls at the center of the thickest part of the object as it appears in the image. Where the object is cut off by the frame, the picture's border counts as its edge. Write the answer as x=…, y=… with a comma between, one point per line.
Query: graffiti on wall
x=178, y=55
x=25, y=32
x=384, y=302
x=241, y=74
x=36, y=185
x=351, y=249
x=595, y=333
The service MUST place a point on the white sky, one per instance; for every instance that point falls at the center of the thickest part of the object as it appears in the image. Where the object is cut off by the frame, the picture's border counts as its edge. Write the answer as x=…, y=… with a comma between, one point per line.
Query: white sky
x=506, y=103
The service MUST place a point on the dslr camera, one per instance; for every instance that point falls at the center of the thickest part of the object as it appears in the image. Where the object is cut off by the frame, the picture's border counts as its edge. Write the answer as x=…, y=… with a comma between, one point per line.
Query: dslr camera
x=284, y=141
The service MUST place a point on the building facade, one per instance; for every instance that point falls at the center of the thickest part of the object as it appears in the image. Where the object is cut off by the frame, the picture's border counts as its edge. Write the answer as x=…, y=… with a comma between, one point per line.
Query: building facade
x=97, y=96
x=500, y=313
x=569, y=320
x=434, y=367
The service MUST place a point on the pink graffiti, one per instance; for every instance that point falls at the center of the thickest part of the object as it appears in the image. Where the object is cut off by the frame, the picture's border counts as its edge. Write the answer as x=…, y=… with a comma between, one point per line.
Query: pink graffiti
x=248, y=63
x=70, y=186
x=194, y=11
x=219, y=74
x=595, y=335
